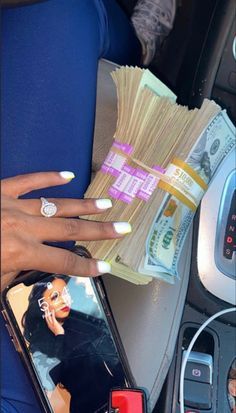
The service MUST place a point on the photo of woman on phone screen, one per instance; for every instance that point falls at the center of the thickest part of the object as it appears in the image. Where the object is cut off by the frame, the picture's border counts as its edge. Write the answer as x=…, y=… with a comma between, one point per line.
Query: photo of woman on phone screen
x=69, y=347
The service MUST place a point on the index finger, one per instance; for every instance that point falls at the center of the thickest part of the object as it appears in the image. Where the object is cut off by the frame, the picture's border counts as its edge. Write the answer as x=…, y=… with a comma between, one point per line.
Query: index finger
x=22, y=184
x=48, y=318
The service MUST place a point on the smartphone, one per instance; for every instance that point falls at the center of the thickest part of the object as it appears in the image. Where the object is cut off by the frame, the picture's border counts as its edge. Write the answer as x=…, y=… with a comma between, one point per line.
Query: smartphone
x=63, y=328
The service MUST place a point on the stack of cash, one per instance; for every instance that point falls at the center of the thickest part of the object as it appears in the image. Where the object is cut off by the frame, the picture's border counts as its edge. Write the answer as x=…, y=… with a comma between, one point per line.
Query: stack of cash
x=161, y=162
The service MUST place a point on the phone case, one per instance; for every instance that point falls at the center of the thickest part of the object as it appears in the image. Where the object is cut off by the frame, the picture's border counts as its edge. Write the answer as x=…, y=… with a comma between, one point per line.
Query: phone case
x=19, y=341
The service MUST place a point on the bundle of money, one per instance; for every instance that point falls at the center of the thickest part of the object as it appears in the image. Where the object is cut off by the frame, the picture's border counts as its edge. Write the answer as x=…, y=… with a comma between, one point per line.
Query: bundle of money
x=161, y=161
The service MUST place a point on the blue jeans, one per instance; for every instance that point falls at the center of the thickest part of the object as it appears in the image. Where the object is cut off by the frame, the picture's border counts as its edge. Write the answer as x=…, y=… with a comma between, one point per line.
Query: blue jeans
x=50, y=54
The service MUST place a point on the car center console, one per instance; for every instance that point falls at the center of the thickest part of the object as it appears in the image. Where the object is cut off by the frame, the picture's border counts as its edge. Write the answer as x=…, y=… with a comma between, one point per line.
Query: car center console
x=216, y=250
x=212, y=288
x=212, y=282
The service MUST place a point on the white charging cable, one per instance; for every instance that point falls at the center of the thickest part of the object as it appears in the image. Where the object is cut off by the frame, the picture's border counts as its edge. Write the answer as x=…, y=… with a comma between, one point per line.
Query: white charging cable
x=187, y=353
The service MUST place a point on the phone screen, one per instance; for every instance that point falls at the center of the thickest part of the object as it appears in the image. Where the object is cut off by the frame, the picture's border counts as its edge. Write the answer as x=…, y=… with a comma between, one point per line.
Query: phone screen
x=69, y=341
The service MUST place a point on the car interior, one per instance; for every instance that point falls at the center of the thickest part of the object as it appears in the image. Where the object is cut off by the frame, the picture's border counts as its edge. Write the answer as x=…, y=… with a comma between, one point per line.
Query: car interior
x=157, y=322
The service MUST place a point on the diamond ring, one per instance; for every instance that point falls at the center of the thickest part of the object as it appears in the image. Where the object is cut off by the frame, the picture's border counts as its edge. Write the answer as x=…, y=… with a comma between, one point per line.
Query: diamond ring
x=48, y=209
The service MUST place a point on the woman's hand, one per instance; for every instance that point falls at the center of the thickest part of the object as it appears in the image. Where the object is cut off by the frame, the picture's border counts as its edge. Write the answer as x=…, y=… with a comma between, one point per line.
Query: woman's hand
x=52, y=323
x=24, y=229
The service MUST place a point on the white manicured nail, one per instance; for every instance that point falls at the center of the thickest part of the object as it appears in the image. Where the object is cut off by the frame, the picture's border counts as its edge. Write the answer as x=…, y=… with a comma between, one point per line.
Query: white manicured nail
x=67, y=175
x=122, y=227
x=103, y=203
x=103, y=267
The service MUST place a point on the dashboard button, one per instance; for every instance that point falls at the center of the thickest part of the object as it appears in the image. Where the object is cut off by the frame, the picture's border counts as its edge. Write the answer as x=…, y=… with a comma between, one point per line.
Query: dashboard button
x=198, y=372
x=199, y=367
x=197, y=395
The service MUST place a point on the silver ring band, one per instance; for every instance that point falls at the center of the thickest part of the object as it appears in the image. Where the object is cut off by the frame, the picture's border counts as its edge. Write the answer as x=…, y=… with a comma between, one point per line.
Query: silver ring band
x=48, y=209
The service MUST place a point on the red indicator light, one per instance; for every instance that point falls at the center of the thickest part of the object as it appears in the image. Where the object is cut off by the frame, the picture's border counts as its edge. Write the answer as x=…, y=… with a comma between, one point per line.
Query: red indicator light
x=229, y=240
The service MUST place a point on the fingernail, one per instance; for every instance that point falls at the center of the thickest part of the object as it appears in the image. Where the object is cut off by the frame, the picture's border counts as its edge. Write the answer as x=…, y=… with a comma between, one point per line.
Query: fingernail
x=103, y=203
x=103, y=267
x=122, y=227
x=67, y=175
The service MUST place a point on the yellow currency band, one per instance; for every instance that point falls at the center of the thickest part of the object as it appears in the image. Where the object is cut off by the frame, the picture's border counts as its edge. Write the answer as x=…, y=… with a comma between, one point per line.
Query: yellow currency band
x=187, y=168
x=173, y=191
x=165, y=180
x=179, y=193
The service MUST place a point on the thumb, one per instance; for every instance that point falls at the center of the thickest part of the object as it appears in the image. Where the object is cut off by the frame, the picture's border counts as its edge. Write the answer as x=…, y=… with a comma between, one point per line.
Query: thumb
x=22, y=184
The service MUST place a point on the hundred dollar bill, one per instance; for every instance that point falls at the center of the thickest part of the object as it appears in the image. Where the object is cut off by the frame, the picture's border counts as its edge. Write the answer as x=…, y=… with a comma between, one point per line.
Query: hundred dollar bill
x=173, y=220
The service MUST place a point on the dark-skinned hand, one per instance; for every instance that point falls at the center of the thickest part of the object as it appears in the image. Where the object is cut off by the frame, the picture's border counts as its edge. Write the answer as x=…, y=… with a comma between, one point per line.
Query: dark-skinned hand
x=24, y=229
